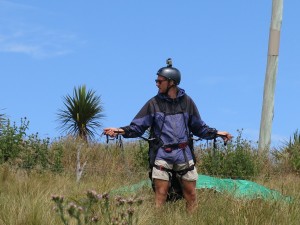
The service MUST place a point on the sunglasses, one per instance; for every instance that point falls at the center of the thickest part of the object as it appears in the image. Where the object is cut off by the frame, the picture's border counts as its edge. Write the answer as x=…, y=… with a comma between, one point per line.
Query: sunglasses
x=159, y=81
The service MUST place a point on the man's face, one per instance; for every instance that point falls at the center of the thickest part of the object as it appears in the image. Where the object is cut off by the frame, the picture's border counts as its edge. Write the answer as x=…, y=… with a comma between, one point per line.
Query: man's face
x=162, y=84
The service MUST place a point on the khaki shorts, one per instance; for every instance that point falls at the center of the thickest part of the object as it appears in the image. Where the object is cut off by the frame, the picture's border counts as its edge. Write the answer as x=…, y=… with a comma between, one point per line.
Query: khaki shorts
x=163, y=175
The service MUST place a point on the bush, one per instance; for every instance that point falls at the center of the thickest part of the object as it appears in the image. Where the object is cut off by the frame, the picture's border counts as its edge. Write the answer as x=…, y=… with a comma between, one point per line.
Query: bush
x=28, y=151
x=141, y=158
x=11, y=139
x=238, y=159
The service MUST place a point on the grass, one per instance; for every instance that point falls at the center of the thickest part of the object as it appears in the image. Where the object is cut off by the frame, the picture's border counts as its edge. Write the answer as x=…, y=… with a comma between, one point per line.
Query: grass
x=25, y=196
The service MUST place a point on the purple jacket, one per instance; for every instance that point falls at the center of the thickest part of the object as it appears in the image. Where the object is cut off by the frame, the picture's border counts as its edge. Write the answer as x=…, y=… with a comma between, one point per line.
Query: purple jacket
x=180, y=116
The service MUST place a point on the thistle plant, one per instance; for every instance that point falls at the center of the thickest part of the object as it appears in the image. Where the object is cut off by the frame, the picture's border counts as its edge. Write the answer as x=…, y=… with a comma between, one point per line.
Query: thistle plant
x=59, y=200
x=97, y=208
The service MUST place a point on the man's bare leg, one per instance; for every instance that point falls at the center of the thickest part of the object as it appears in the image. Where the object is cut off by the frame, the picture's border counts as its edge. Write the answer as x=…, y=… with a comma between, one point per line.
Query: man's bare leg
x=161, y=191
x=189, y=193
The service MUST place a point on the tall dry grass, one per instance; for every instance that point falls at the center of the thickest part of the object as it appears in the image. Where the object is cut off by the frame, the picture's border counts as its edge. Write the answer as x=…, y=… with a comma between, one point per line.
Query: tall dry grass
x=25, y=196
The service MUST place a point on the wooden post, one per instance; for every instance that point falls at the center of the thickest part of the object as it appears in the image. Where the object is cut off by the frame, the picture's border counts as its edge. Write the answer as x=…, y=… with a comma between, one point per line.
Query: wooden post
x=270, y=79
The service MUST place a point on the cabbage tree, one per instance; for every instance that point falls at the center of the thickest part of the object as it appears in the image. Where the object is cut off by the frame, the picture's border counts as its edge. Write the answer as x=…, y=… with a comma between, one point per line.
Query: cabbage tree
x=81, y=114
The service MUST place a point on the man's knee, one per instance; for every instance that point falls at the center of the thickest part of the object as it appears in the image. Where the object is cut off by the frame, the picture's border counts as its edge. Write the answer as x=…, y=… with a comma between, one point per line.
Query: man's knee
x=161, y=191
x=190, y=195
x=161, y=186
x=189, y=188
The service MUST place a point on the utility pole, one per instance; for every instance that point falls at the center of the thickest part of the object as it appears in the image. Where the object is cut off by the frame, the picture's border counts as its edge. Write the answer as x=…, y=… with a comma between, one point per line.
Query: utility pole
x=270, y=79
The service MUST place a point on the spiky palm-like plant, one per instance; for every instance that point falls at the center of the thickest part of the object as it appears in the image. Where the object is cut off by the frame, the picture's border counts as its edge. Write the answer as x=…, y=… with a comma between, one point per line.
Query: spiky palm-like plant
x=82, y=113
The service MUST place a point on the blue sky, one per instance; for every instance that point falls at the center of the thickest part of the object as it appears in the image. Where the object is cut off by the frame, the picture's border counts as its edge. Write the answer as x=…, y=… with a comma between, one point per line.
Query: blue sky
x=116, y=47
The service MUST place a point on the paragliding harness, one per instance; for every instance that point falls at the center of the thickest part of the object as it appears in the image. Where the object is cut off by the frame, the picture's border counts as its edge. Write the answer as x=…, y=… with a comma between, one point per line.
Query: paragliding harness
x=155, y=142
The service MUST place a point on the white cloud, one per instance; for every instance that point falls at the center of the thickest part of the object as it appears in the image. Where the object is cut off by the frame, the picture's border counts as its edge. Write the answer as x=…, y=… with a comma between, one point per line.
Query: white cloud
x=19, y=48
x=8, y=5
x=21, y=33
x=37, y=44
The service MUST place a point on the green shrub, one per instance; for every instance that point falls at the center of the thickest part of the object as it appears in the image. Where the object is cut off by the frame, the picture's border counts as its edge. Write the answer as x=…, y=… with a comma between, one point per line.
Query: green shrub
x=28, y=151
x=11, y=139
x=141, y=159
x=35, y=153
x=238, y=159
x=56, y=158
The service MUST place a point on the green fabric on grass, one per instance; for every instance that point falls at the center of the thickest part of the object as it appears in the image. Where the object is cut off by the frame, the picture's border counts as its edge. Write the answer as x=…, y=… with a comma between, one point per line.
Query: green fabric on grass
x=237, y=188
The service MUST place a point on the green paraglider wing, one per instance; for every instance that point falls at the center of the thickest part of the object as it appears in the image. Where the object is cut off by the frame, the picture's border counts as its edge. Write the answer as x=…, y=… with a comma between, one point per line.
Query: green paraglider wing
x=237, y=188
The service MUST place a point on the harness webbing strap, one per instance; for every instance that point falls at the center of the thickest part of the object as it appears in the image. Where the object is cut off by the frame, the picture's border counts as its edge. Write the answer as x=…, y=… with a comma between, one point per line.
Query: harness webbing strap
x=187, y=133
x=163, y=109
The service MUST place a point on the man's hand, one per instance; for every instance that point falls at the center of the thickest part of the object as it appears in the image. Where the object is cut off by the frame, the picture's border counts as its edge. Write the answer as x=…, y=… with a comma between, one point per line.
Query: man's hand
x=112, y=131
x=225, y=136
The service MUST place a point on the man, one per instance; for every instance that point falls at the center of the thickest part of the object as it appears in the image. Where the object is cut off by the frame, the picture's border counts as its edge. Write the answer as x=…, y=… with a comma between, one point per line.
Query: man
x=173, y=117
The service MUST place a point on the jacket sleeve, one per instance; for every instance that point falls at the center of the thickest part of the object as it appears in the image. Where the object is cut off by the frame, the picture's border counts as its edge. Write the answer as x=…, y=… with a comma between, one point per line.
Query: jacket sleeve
x=197, y=125
x=141, y=122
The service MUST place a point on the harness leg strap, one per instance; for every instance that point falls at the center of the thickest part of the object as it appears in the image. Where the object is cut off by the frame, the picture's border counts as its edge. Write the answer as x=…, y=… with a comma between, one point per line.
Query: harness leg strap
x=180, y=172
